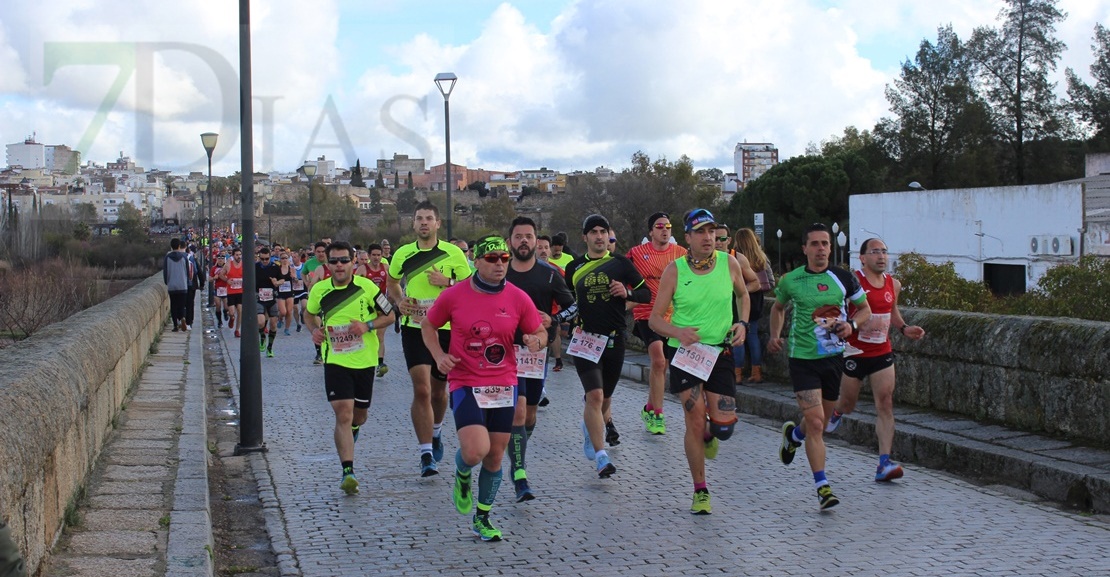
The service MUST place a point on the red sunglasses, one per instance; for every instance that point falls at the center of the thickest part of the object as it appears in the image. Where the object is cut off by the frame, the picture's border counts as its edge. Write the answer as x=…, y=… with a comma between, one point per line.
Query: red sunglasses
x=493, y=258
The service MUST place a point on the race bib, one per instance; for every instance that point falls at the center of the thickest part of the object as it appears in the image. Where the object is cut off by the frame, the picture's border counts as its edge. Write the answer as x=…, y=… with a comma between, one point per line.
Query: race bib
x=494, y=397
x=877, y=329
x=298, y=285
x=221, y=291
x=342, y=340
x=235, y=283
x=530, y=365
x=697, y=359
x=285, y=287
x=265, y=294
x=420, y=311
x=587, y=346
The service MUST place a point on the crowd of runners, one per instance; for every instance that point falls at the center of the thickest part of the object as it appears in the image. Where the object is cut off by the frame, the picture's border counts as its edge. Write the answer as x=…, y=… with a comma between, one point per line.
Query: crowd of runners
x=482, y=323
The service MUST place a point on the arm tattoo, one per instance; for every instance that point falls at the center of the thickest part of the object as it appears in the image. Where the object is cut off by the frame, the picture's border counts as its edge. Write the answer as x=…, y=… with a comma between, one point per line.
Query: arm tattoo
x=808, y=399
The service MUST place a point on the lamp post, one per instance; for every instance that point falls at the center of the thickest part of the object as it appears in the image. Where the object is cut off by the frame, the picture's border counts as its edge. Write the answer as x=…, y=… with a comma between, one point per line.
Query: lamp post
x=309, y=169
x=206, y=245
x=269, y=216
x=841, y=240
x=778, y=233
x=208, y=141
x=835, y=229
x=445, y=81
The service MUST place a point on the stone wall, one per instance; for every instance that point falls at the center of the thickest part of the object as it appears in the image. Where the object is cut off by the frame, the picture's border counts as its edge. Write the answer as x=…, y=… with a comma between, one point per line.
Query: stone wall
x=61, y=391
x=1035, y=374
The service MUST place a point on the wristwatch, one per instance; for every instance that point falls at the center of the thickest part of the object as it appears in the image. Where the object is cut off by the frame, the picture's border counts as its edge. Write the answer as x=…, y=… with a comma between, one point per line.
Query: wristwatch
x=745, y=325
x=852, y=323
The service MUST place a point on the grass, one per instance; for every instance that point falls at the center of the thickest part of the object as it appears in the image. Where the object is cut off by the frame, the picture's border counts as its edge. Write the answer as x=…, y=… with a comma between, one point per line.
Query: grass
x=164, y=521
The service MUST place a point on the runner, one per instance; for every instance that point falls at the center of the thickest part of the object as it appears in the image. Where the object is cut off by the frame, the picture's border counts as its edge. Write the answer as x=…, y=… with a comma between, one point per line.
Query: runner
x=710, y=303
x=315, y=275
x=818, y=326
x=870, y=356
x=559, y=256
x=285, y=294
x=545, y=286
x=351, y=309
x=220, y=287
x=651, y=259
x=543, y=254
x=267, y=278
x=426, y=266
x=378, y=273
x=175, y=273
x=482, y=369
x=300, y=292
x=233, y=276
x=602, y=282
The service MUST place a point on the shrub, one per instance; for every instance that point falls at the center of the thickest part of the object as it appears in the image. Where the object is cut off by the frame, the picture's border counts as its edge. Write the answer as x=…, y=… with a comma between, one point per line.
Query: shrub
x=937, y=286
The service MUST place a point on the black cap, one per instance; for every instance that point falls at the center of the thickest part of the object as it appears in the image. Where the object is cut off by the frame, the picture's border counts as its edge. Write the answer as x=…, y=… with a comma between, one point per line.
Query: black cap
x=593, y=221
x=655, y=217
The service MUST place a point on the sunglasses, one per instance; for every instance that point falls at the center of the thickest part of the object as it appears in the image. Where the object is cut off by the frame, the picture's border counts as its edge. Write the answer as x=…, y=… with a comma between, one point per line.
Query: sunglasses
x=663, y=225
x=342, y=259
x=495, y=258
x=722, y=238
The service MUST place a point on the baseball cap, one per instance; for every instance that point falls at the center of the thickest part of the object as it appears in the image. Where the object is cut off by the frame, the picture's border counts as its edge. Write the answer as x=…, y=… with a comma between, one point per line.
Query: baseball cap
x=698, y=218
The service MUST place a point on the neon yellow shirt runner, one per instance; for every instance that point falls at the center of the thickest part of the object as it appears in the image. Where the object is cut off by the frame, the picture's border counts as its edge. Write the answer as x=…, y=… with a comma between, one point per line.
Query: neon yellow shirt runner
x=411, y=264
x=563, y=260
x=358, y=301
x=703, y=301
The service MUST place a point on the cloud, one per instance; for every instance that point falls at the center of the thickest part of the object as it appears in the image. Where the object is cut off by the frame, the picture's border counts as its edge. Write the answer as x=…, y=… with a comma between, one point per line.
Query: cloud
x=600, y=81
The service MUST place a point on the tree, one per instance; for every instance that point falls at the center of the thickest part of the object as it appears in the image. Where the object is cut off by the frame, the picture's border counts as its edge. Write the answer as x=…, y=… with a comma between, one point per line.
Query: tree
x=1013, y=64
x=379, y=180
x=406, y=201
x=129, y=221
x=409, y=180
x=375, y=201
x=935, y=107
x=498, y=213
x=479, y=187
x=356, y=175
x=1092, y=104
x=85, y=212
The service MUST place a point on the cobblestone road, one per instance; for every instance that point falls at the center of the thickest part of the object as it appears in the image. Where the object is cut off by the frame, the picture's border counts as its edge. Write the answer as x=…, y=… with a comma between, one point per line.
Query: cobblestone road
x=765, y=519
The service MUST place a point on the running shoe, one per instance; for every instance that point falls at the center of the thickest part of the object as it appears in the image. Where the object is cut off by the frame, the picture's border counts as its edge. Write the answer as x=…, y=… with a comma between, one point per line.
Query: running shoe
x=355, y=431
x=437, y=448
x=349, y=484
x=544, y=401
x=611, y=435
x=287, y=333
x=269, y=354
x=888, y=472
x=788, y=447
x=237, y=334
x=382, y=370
x=834, y=421
x=648, y=417
x=659, y=425
x=523, y=491
x=262, y=345
x=587, y=444
x=230, y=322
x=701, y=504
x=281, y=323
x=711, y=447
x=605, y=468
x=464, y=499
x=558, y=365
x=484, y=529
x=826, y=498
x=316, y=361
x=428, y=465
x=298, y=328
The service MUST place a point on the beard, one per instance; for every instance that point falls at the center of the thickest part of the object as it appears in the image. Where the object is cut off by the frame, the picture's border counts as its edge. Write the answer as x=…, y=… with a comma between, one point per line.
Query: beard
x=522, y=252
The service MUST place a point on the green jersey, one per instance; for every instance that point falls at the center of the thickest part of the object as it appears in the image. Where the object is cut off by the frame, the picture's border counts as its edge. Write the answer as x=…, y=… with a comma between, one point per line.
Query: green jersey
x=310, y=264
x=704, y=301
x=360, y=301
x=410, y=264
x=820, y=299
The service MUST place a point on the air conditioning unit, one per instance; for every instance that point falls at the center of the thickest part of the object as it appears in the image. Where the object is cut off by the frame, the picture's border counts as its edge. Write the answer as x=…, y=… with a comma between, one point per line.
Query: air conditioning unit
x=1040, y=244
x=1060, y=245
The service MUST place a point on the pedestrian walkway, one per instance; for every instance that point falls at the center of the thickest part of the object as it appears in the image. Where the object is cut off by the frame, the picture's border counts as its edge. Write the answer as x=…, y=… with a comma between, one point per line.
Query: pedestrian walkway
x=146, y=509
x=765, y=517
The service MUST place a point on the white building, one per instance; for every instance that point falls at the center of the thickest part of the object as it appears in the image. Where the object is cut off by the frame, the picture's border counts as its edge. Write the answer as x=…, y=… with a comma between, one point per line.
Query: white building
x=753, y=159
x=28, y=154
x=1007, y=236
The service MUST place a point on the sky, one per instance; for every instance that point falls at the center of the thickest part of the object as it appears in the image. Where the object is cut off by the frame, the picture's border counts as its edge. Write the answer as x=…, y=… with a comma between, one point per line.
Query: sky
x=562, y=84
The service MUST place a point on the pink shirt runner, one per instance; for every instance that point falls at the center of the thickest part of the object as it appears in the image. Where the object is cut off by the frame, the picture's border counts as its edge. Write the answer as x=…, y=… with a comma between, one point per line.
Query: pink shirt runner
x=482, y=330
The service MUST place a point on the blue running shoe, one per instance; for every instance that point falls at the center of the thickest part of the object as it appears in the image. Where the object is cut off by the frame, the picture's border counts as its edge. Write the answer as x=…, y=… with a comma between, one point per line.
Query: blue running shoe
x=587, y=444
x=428, y=465
x=437, y=448
x=605, y=468
x=834, y=421
x=888, y=472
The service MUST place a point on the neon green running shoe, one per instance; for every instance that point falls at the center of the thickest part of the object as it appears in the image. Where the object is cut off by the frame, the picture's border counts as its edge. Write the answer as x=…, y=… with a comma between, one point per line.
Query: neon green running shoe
x=484, y=529
x=464, y=499
x=349, y=484
x=701, y=504
x=711, y=448
x=659, y=427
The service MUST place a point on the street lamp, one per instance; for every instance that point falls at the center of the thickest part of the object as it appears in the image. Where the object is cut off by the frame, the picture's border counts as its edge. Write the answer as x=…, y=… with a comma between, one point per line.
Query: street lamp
x=778, y=233
x=835, y=229
x=208, y=141
x=309, y=169
x=445, y=81
x=917, y=186
x=841, y=240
